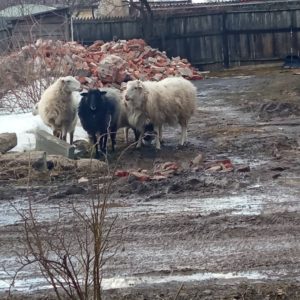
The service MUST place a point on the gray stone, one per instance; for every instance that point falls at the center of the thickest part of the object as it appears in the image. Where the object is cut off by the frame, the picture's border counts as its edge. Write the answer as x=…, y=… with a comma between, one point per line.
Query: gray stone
x=52, y=145
x=91, y=165
x=7, y=141
x=35, y=159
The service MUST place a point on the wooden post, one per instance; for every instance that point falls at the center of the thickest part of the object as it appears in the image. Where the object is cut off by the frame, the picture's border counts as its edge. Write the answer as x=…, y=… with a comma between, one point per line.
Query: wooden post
x=225, y=41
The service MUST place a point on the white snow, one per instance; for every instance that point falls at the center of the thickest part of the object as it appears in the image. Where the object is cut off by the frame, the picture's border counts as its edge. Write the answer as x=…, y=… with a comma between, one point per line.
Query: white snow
x=24, y=125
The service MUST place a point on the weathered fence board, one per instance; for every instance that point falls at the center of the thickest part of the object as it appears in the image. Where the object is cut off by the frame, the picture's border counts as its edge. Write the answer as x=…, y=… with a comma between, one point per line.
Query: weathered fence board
x=4, y=35
x=221, y=38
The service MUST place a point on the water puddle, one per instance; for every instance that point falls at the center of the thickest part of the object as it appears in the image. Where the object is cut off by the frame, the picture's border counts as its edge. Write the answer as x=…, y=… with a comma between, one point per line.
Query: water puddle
x=125, y=282
x=31, y=284
x=260, y=200
x=253, y=163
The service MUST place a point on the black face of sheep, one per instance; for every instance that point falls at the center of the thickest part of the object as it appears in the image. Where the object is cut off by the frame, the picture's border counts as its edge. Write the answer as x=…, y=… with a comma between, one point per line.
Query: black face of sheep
x=96, y=113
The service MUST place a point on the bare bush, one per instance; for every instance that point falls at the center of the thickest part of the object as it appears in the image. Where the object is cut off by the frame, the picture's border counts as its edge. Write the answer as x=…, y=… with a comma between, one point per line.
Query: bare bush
x=71, y=251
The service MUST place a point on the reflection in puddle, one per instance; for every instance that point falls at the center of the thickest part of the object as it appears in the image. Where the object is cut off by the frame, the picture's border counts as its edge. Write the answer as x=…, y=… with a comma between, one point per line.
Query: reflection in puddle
x=38, y=283
x=115, y=282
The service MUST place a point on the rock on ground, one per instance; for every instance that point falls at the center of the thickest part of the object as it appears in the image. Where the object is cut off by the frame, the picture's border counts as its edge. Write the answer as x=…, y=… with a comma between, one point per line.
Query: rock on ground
x=7, y=141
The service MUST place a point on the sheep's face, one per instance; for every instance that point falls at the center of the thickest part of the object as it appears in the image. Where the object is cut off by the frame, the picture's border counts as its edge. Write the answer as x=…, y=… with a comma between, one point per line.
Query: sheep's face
x=70, y=84
x=134, y=93
x=35, y=109
x=95, y=101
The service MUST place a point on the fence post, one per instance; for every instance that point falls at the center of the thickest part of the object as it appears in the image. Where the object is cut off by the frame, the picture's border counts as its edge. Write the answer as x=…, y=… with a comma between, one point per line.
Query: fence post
x=225, y=41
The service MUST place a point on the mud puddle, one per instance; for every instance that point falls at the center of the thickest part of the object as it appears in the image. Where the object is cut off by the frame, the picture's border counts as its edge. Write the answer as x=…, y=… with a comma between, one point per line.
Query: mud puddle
x=29, y=284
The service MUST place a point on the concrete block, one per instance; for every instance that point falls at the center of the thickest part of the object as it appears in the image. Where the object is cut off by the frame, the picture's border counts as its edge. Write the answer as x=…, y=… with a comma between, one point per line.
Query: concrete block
x=52, y=145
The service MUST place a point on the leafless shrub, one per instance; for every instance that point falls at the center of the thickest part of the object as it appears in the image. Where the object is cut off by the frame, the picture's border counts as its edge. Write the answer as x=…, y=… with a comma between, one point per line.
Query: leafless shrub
x=69, y=254
x=72, y=250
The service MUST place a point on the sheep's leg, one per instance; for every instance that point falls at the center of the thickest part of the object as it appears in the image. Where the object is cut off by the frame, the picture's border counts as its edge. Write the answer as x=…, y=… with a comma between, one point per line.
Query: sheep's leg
x=126, y=130
x=103, y=142
x=64, y=134
x=136, y=134
x=183, y=135
x=113, y=134
x=157, y=137
x=140, y=139
x=96, y=141
x=71, y=137
x=160, y=133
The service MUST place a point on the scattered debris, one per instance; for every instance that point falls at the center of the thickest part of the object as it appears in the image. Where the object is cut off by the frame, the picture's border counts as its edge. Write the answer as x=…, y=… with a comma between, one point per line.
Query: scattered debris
x=83, y=180
x=224, y=165
x=243, y=168
x=161, y=171
x=197, y=163
x=121, y=173
x=140, y=175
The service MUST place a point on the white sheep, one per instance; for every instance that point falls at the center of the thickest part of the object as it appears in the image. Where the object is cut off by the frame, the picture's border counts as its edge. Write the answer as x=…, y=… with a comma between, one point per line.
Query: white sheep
x=170, y=101
x=58, y=107
x=123, y=121
x=148, y=130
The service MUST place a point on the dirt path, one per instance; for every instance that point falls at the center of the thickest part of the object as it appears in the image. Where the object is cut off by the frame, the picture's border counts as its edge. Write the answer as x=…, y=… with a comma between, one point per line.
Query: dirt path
x=223, y=235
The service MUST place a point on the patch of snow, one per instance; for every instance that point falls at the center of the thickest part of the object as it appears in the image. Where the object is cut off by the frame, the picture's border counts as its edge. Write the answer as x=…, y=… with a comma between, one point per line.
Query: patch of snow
x=25, y=125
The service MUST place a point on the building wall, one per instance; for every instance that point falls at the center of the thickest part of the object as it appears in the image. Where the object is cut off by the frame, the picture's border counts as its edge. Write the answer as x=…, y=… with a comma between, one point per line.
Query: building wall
x=52, y=25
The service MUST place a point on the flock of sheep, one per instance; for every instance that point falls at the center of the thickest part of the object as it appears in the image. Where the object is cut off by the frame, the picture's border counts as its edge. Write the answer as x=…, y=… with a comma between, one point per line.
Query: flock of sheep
x=143, y=106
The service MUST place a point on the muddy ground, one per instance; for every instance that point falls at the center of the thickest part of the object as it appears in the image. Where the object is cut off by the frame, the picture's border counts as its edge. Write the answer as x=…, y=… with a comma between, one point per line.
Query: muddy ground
x=199, y=234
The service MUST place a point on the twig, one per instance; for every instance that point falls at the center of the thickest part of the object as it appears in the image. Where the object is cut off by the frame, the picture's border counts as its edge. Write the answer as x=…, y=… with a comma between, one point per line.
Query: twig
x=178, y=292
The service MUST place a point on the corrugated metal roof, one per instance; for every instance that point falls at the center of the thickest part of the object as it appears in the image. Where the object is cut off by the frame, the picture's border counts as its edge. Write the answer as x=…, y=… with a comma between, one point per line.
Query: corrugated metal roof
x=24, y=10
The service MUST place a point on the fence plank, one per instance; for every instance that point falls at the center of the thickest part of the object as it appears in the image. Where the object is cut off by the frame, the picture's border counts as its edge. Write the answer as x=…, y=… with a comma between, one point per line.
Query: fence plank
x=219, y=37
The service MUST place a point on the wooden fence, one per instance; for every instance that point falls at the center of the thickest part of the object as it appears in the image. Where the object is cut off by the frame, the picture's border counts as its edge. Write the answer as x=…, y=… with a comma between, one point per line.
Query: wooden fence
x=218, y=38
x=4, y=35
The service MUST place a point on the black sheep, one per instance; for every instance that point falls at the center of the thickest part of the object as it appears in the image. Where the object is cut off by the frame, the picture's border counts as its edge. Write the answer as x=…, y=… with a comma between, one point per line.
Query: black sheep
x=99, y=112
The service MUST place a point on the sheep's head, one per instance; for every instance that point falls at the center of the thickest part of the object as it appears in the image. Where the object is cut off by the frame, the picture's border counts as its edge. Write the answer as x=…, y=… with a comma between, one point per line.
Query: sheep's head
x=35, y=109
x=94, y=100
x=70, y=84
x=135, y=93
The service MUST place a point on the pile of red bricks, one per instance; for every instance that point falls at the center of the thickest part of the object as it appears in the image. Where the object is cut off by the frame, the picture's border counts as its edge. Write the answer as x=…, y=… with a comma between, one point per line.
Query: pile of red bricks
x=108, y=63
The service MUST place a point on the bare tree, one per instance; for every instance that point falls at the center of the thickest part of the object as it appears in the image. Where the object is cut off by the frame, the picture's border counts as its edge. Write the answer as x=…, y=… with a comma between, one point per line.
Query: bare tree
x=146, y=13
